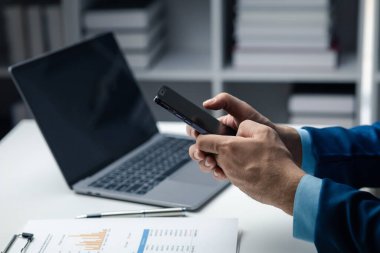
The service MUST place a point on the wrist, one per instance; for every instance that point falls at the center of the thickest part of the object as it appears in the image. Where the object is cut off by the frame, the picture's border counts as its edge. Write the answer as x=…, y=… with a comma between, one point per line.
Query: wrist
x=292, y=141
x=289, y=189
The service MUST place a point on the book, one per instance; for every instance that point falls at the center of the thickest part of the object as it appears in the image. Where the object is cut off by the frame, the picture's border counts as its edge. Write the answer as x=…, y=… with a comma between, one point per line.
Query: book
x=136, y=39
x=322, y=103
x=252, y=30
x=283, y=42
x=271, y=4
x=144, y=59
x=54, y=25
x=326, y=120
x=282, y=36
x=35, y=30
x=270, y=59
x=280, y=16
x=123, y=15
x=14, y=17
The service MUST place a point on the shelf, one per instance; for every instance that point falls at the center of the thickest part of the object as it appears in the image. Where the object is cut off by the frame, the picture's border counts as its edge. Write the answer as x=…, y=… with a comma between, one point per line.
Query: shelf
x=346, y=72
x=179, y=65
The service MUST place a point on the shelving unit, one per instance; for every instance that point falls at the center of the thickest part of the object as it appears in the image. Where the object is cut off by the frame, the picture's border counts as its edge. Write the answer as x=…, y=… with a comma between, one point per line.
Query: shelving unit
x=196, y=57
x=196, y=52
x=177, y=65
x=368, y=91
x=347, y=72
x=197, y=68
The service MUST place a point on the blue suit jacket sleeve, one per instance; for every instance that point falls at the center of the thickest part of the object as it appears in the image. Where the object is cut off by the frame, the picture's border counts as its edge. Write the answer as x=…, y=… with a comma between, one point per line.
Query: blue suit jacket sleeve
x=348, y=220
x=349, y=156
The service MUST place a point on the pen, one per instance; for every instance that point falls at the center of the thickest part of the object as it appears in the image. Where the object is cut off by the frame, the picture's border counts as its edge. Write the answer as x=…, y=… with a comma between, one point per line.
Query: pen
x=163, y=212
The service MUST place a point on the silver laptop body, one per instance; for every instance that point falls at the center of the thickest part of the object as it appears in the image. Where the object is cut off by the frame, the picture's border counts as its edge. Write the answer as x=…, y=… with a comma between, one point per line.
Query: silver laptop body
x=95, y=120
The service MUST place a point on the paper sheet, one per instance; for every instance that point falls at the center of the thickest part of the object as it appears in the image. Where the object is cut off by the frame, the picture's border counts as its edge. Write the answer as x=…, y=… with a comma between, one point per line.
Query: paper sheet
x=134, y=235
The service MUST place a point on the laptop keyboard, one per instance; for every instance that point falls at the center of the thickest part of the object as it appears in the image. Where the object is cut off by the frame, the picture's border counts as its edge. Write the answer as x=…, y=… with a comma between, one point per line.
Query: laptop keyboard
x=147, y=169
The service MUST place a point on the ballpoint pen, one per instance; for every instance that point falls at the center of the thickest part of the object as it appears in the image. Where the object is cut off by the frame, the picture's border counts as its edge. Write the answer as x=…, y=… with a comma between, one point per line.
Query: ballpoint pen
x=162, y=212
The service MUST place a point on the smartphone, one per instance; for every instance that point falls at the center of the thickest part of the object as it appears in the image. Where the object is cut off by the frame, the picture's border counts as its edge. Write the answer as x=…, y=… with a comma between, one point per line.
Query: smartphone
x=191, y=114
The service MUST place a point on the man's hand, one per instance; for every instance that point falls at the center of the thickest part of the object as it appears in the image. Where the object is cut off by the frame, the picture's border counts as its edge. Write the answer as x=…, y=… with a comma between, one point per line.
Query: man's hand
x=257, y=162
x=238, y=111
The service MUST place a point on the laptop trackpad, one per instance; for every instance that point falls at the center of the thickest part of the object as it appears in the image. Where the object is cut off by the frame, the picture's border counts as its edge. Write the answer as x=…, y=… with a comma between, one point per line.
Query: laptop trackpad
x=190, y=173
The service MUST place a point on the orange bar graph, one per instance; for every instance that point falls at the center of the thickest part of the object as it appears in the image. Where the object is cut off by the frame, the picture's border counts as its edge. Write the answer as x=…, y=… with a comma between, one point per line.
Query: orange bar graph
x=91, y=241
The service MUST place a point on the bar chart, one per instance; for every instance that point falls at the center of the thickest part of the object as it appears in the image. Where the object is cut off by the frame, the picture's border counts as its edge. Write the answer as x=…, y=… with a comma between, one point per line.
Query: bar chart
x=91, y=241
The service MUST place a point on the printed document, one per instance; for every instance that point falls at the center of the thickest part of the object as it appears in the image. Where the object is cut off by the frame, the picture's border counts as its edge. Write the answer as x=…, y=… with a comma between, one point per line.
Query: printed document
x=133, y=235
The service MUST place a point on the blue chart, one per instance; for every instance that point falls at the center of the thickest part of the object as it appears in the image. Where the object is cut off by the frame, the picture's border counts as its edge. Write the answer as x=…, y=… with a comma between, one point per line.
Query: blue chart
x=144, y=240
x=168, y=240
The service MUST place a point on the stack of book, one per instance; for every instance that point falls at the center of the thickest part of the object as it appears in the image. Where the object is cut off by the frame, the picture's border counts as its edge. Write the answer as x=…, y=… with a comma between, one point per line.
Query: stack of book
x=32, y=28
x=322, y=109
x=137, y=24
x=278, y=34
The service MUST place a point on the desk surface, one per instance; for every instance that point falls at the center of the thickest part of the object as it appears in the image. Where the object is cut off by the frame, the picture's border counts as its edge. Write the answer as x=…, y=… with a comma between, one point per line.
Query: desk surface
x=32, y=187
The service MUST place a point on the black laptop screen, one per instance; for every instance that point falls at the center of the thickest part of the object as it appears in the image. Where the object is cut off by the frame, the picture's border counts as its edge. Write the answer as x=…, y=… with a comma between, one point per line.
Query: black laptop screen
x=87, y=105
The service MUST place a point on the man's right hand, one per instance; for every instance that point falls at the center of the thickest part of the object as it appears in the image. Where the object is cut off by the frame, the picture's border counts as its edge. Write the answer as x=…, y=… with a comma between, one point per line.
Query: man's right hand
x=238, y=111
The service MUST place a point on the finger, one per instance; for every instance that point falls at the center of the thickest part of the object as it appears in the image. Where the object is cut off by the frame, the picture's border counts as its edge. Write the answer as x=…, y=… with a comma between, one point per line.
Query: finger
x=229, y=120
x=249, y=128
x=206, y=168
x=211, y=143
x=214, y=168
x=195, y=153
x=219, y=174
x=210, y=162
x=191, y=132
x=234, y=106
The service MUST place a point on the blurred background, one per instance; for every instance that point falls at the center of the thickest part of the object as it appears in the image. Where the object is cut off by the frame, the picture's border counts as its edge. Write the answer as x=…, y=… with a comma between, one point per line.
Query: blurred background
x=296, y=61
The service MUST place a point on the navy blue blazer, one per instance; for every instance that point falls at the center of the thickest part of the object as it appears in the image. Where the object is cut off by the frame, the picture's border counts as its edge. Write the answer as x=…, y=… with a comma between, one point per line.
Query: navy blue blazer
x=348, y=220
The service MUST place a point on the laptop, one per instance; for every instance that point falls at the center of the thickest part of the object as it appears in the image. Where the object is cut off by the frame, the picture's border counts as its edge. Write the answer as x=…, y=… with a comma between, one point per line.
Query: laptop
x=101, y=131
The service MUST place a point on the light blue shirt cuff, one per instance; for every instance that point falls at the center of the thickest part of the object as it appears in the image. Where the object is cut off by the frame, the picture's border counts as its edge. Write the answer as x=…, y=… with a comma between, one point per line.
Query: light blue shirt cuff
x=308, y=158
x=305, y=209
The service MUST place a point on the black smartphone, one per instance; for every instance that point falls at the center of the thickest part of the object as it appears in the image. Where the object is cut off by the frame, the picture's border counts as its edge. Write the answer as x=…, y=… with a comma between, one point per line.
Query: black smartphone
x=191, y=114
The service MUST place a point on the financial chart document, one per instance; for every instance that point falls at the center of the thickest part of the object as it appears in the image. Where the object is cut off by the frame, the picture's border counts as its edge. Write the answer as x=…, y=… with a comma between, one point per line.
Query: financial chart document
x=134, y=235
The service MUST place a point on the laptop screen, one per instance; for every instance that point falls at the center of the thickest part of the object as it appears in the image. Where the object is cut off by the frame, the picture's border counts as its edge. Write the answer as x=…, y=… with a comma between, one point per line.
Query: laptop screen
x=87, y=105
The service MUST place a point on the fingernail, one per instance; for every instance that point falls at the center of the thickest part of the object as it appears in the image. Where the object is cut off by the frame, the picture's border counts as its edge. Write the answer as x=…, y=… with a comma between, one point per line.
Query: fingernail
x=207, y=162
x=216, y=174
x=196, y=155
x=209, y=101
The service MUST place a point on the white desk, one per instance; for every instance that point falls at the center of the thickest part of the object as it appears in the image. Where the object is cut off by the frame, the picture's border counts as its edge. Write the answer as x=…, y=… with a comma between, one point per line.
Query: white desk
x=32, y=187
